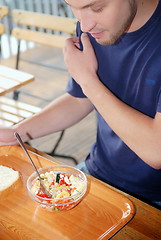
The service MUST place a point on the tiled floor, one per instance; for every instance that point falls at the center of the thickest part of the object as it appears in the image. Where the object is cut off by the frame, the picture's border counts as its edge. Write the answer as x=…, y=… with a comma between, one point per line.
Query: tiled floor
x=49, y=84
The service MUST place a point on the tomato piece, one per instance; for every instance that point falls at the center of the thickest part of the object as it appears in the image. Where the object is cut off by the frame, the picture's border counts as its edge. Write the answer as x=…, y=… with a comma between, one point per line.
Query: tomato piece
x=43, y=195
x=52, y=184
x=66, y=175
x=61, y=201
x=62, y=181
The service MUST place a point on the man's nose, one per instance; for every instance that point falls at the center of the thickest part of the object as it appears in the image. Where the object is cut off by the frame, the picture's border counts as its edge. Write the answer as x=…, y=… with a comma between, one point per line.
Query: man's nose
x=86, y=22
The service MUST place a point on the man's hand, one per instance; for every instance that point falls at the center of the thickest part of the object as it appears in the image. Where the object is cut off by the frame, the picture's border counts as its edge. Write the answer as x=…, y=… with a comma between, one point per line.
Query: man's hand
x=82, y=65
x=7, y=136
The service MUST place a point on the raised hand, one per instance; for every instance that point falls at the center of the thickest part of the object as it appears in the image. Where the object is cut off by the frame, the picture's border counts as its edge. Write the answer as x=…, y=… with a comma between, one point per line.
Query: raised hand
x=82, y=64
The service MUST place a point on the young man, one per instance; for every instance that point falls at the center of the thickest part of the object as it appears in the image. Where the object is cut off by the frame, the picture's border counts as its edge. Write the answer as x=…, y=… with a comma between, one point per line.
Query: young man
x=116, y=70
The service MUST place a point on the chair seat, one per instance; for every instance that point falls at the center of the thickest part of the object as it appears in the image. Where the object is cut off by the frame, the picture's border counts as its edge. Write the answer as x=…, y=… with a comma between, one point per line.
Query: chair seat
x=14, y=111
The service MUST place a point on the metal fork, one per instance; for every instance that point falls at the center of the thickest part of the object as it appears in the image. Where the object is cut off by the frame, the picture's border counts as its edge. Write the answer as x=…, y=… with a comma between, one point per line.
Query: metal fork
x=44, y=190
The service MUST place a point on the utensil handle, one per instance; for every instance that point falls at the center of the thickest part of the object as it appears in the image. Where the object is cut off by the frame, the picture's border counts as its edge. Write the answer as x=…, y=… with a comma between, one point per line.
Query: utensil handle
x=24, y=148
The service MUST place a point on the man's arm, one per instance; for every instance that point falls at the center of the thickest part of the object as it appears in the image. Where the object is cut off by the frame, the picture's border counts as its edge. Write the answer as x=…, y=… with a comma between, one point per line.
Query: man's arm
x=58, y=115
x=140, y=132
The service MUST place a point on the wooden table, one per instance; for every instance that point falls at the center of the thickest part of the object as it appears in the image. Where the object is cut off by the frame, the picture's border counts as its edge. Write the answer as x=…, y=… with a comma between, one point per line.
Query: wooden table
x=11, y=79
x=146, y=224
x=96, y=217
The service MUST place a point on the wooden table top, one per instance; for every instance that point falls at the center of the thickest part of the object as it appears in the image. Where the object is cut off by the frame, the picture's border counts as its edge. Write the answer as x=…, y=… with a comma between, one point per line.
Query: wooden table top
x=11, y=79
x=104, y=212
x=146, y=223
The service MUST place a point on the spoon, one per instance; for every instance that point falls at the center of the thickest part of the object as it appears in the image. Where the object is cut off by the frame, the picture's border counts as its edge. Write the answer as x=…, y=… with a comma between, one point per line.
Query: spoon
x=44, y=190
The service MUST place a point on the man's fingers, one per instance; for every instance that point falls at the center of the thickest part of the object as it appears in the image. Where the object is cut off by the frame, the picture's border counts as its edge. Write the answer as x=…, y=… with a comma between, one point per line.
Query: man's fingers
x=71, y=43
x=85, y=41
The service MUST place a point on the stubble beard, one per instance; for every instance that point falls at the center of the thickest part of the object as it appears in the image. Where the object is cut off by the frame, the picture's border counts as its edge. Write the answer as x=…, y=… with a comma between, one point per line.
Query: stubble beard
x=125, y=26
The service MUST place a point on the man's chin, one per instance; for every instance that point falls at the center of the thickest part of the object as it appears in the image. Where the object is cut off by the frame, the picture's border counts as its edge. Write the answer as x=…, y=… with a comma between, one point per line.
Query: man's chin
x=105, y=42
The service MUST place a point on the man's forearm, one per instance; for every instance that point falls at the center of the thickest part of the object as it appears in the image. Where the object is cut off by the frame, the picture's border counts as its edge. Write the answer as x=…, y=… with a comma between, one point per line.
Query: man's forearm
x=140, y=132
x=60, y=114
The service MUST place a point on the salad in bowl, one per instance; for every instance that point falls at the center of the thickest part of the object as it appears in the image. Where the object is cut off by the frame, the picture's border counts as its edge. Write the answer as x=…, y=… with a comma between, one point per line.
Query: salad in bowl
x=66, y=186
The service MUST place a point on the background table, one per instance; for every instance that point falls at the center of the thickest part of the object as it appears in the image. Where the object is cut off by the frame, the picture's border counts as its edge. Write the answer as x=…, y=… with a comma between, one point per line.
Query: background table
x=11, y=79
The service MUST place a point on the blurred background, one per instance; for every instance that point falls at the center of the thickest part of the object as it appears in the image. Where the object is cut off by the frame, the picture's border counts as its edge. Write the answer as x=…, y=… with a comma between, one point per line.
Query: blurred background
x=54, y=7
x=50, y=81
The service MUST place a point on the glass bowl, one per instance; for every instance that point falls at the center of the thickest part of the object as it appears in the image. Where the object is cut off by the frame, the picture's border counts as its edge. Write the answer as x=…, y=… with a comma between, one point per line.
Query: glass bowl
x=67, y=185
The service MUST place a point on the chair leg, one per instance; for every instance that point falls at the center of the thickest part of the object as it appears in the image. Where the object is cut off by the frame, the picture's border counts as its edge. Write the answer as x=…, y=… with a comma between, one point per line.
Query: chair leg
x=58, y=142
x=18, y=55
x=54, y=154
x=17, y=92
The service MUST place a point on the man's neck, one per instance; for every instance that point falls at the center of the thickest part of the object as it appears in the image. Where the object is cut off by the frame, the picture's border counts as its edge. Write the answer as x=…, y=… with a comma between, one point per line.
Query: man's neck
x=145, y=9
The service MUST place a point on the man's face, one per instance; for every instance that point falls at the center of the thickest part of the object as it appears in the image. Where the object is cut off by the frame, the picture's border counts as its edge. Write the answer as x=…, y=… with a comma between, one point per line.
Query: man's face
x=105, y=20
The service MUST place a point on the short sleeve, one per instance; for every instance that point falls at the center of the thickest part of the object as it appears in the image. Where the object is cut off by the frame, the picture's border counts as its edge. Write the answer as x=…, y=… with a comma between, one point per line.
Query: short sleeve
x=74, y=89
x=159, y=104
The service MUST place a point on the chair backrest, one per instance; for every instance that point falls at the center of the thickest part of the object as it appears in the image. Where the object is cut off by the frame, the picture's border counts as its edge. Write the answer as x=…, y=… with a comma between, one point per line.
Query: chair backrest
x=3, y=12
x=35, y=21
x=2, y=28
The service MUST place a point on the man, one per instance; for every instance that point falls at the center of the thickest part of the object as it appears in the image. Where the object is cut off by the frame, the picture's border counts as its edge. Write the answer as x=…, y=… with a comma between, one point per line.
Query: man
x=115, y=69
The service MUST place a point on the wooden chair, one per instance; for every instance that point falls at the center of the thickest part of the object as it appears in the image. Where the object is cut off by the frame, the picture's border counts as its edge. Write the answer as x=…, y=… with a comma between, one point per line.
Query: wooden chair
x=40, y=28
x=3, y=12
x=11, y=111
x=14, y=111
x=47, y=30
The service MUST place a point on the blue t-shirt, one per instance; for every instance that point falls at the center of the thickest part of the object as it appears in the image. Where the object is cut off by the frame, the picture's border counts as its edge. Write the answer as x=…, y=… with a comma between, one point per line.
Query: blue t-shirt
x=131, y=69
